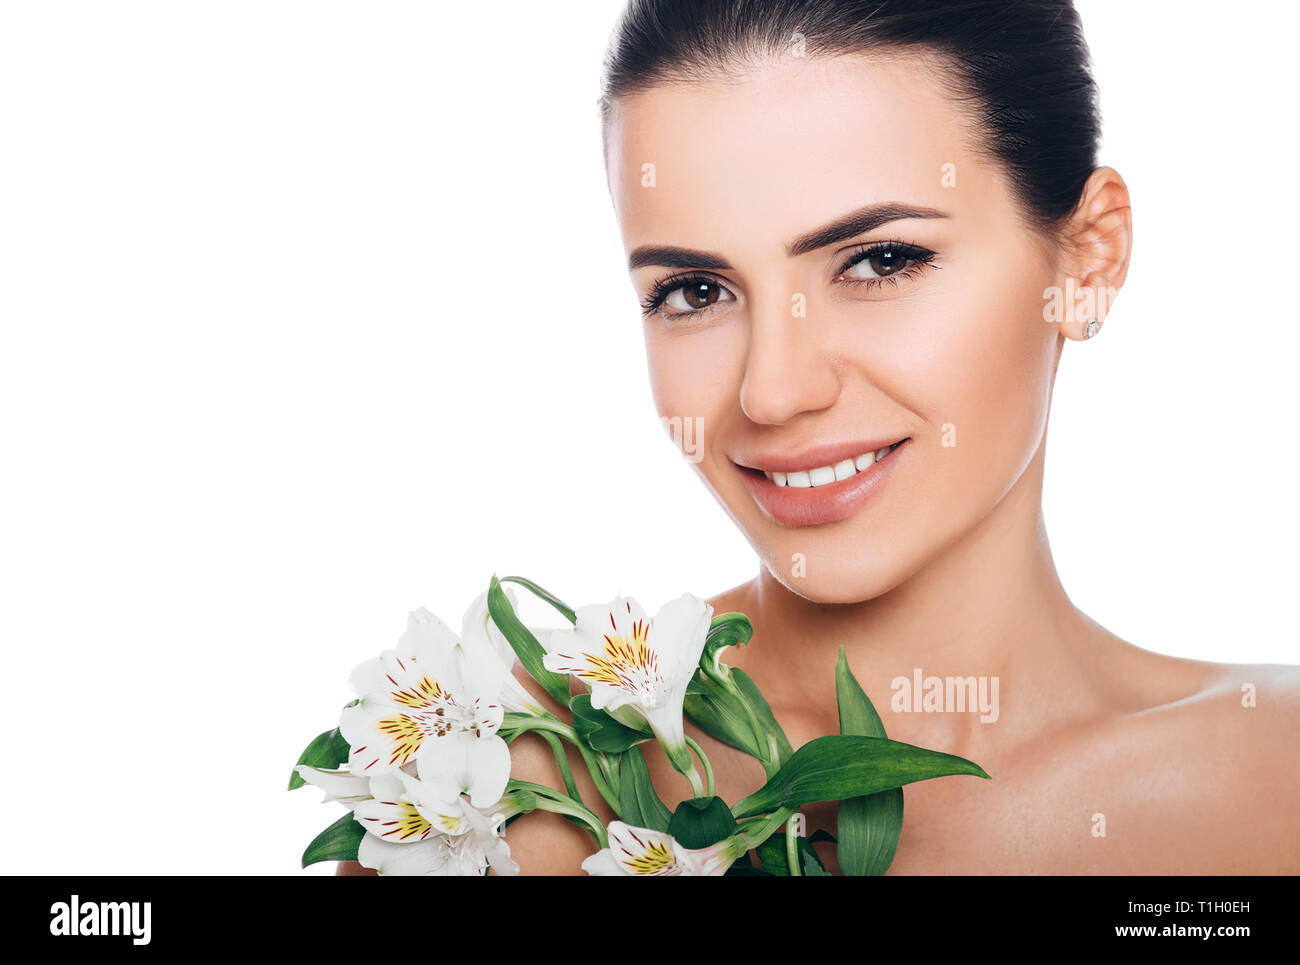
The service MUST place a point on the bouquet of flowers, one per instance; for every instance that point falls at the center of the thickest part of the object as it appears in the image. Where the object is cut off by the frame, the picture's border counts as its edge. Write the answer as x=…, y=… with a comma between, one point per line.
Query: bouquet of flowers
x=426, y=744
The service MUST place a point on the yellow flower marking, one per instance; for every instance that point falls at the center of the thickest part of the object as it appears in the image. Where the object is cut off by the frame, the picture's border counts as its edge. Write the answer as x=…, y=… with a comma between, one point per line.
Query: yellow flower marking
x=424, y=694
x=450, y=822
x=655, y=858
x=629, y=664
x=405, y=735
x=410, y=824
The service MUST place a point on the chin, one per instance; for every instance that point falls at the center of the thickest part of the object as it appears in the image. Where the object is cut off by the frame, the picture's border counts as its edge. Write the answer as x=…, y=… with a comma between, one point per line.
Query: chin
x=834, y=577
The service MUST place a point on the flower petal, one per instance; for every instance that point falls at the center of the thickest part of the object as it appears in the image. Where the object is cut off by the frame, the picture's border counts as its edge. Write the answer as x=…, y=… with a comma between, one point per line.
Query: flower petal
x=420, y=858
x=479, y=618
x=609, y=649
x=477, y=767
x=338, y=785
x=602, y=863
x=384, y=738
x=644, y=851
x=678, y=632
x=396, y=820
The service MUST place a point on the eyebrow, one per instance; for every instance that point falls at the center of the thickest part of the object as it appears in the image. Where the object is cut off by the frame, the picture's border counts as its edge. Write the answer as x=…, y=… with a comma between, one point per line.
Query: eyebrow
x=841, y=229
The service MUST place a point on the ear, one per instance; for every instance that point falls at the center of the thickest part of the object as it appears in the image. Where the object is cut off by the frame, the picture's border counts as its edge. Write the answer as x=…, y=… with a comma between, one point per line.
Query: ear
x=1098, y=240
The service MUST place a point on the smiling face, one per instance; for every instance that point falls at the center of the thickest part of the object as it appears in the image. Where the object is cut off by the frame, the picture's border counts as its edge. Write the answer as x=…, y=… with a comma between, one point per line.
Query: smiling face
x=828, y=268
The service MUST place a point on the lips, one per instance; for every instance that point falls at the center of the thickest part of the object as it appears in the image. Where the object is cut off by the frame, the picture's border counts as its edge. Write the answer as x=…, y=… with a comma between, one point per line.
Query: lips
x=825, y=475
x=824, y=484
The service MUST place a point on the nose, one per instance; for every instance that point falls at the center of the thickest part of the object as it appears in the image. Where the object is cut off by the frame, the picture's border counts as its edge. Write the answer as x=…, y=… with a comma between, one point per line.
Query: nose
x=788, y=369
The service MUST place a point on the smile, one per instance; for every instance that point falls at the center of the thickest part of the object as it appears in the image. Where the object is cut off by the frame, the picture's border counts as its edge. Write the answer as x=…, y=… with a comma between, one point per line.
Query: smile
x=825, y=475
x=822, y=485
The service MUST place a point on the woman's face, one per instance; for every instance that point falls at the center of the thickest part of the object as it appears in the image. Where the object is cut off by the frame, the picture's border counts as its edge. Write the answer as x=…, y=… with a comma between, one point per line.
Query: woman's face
x=787, y=340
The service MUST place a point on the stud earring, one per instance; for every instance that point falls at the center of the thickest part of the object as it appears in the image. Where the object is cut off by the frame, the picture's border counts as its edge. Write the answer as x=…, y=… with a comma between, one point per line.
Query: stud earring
x=1091, y=328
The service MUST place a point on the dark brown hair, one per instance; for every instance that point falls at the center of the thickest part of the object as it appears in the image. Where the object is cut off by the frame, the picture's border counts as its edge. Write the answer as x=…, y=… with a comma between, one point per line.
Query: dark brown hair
x=1021, y=67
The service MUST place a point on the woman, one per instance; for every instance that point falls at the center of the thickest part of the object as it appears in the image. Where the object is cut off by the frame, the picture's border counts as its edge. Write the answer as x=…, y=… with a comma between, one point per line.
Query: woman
x=862, y=234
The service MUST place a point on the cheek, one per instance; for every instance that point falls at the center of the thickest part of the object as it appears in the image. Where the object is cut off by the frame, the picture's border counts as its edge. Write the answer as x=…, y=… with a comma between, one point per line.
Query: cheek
x=1002, y=391
x=979, y=371
x=695, y=375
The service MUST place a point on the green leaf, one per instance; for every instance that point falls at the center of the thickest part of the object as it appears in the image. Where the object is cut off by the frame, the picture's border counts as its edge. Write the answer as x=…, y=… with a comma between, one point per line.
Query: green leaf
x=868, y=826
x=839, y=766
x=338, y=842
x=812, y=865
x=725, y=630
x=702, y=821
x=327, y=751
x=600, y=731
x=772, y=854
x=720, y=716
x=525, y=645
x=565, y=610
x=782, y=750
x=639, y=805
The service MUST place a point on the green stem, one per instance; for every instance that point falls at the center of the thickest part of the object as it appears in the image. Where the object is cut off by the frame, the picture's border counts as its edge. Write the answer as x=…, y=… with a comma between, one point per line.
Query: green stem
x=683, y=763
x=596, y=767
x=539, y=797
x=562, y=759
x=704, y=760
x=792, y=848
x=697, y=786
x=755, y=831
x=548, y=722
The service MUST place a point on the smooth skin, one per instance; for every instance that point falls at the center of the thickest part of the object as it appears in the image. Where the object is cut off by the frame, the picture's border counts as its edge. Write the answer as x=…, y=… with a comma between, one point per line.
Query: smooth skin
x=947, y=568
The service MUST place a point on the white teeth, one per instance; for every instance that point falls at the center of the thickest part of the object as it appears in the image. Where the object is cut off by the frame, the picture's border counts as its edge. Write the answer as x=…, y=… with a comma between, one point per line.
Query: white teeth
x=823, y=475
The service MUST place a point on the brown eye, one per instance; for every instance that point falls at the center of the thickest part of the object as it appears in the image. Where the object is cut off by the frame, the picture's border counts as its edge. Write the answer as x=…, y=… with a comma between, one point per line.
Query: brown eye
x=696, y=295
x=688, y=297
x=879, y=263
x=884, y=260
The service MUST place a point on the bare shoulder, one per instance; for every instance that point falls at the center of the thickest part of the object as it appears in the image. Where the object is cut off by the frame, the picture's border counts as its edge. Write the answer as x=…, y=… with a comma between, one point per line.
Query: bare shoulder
x=1209, y=782
x=541, y=842
x=1251, y=712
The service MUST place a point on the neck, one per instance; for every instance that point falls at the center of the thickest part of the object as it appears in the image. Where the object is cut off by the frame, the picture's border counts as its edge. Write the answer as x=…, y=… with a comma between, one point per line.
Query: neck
x=990, y=605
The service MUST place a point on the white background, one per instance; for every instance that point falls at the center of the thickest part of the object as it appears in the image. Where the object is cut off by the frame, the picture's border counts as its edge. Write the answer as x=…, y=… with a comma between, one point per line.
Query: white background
x=315, y=312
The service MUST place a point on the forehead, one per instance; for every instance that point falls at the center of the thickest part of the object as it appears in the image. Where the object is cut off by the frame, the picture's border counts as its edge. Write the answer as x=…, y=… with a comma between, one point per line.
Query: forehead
x=788, y=145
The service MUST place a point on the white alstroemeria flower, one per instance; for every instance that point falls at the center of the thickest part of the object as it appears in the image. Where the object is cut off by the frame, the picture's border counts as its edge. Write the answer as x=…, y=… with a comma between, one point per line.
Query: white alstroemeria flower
x=393, y=806
x=401, y=810
x=476, y=848
x=642, y=851
x=431, y=691
x=638, y=669
x=481, y=635
x=411, y=829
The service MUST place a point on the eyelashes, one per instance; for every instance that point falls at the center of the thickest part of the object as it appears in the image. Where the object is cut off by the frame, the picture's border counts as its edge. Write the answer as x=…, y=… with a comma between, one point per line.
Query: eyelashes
x=888, y=260
x=888, y=263
x=690, y=282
